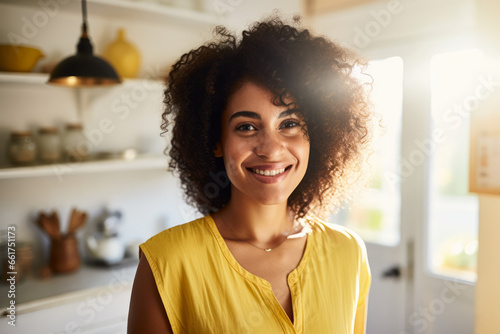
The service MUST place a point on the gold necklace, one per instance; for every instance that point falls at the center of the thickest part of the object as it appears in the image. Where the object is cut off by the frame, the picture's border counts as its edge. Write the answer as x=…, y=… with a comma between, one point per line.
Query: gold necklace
x=264, y=249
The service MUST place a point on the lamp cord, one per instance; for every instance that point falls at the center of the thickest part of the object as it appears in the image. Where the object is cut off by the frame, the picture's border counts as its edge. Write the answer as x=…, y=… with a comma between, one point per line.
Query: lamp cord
x=84, y=17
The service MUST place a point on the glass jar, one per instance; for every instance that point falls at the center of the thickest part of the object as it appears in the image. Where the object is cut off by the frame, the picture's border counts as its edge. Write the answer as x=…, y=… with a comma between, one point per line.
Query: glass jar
x=21, y=148
x=49, y=145
x=75, y=145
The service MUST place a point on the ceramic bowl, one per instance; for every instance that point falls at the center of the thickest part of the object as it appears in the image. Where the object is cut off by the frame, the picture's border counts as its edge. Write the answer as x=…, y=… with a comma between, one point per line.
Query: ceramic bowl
x=18, y=58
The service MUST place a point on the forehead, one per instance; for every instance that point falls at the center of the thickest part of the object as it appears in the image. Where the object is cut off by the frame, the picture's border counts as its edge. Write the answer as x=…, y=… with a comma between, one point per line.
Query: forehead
x=253, y=97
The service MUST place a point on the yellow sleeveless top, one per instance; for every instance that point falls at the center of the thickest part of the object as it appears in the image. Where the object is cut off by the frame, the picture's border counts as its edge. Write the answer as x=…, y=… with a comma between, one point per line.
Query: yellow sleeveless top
x=205, y=290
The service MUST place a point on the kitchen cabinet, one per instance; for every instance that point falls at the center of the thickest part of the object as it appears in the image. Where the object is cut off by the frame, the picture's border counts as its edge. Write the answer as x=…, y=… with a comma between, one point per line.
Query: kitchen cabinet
x=149, y=197
x=101, y=308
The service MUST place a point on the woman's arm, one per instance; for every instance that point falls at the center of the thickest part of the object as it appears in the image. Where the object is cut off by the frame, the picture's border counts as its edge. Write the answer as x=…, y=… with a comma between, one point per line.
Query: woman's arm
x=146, y=313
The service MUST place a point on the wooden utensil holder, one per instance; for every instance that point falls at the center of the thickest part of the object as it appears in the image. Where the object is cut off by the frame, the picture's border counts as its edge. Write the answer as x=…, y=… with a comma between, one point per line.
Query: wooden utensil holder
x=64, y=256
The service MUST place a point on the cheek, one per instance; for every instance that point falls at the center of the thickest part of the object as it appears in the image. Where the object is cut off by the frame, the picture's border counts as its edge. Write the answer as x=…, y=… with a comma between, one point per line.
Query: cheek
x=231, y=166
x=301, y=149
x=234, y=154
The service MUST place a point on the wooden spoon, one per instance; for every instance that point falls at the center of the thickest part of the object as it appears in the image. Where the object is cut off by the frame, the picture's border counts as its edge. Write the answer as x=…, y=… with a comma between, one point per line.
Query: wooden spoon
x=46, y=224
x=56, y=225
x=77, y=220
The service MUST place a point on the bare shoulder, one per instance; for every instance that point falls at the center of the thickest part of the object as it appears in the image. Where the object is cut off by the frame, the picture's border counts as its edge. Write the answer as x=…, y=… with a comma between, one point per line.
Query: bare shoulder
x=146, y=313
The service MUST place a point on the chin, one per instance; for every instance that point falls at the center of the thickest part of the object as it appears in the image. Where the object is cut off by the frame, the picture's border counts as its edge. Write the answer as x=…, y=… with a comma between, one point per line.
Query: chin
x=270, y=199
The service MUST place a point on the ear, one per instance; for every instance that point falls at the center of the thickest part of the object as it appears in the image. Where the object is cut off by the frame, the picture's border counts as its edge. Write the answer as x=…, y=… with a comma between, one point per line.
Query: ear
x=218, y=150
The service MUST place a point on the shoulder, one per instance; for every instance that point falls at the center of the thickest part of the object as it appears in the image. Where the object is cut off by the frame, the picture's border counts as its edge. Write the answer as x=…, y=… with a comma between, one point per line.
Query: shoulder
x=177, y=241
x=337, y=237
x=180, y=233
x=342, y=248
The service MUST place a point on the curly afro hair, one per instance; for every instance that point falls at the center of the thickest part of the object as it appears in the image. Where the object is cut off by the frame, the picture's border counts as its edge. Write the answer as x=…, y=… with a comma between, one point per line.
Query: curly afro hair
x=321, y=77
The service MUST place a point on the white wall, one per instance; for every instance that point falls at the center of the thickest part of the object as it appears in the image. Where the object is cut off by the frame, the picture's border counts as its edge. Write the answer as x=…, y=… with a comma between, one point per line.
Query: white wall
x=382, y=23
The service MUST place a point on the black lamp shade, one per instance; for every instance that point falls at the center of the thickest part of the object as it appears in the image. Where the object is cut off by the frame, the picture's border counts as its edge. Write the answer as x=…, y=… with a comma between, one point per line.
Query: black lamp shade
x=84, y=70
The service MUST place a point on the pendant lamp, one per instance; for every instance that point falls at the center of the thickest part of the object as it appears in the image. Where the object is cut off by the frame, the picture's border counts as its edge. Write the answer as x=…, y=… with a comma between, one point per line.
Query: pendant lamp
x=84, y=69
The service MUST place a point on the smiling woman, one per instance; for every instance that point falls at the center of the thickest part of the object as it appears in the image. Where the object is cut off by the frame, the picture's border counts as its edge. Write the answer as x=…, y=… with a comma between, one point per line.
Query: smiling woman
x=281, y=123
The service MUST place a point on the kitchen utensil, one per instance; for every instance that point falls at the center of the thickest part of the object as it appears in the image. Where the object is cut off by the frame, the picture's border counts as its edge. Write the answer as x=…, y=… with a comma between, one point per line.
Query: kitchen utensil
x=64, y=256
x=77, y=220
x=49, y=224
x=105, y=245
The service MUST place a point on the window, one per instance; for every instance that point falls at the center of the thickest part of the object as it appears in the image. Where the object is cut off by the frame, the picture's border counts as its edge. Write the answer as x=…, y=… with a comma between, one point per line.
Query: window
x=453, y=212
x=375, y=216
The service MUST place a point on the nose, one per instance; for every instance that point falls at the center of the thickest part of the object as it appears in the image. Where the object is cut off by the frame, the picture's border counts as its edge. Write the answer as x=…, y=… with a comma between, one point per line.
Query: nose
x=269, y=145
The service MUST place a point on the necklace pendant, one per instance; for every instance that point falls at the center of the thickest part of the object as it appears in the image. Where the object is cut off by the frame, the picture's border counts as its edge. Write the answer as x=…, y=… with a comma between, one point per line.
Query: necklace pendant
x=268, y=249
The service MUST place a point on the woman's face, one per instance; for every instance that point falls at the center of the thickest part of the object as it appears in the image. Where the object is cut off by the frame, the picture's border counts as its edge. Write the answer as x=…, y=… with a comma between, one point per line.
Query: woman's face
x=263, y=145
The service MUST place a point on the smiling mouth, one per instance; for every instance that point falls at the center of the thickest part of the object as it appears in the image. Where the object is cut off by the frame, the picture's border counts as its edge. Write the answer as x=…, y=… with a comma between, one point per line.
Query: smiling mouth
x=269, y=172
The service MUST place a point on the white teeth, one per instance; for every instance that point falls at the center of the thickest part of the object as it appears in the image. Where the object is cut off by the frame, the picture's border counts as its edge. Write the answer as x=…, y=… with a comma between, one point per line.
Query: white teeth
x=268, y=172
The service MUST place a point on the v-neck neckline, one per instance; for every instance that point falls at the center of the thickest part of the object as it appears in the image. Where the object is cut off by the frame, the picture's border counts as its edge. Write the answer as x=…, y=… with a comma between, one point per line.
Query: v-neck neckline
x=292, y=277
x=239, y=268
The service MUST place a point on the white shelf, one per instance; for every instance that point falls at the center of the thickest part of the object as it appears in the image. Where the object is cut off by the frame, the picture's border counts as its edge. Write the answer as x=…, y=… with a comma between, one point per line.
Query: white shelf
x=63, y=170
x=23, y=78
x=41, y=79
x=134, y=9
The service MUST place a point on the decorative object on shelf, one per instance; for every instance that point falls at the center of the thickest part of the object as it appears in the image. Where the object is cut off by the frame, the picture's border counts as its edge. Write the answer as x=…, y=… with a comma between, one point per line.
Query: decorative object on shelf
x=21, y=148
x=84, y=69
x=64, y=256
x=24, y=260
x=105, y=245
x=22, y=264
x=49, y=145
x=127, y=154
x=18, y=58
x=75, y=144
x=123, y=55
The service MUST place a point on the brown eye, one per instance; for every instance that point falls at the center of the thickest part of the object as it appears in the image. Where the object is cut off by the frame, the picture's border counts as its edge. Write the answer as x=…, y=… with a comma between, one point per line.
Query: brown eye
x=288, y=124
x=245, y=127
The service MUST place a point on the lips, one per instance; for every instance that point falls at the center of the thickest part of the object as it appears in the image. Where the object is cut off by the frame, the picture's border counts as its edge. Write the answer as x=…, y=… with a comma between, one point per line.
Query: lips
x=269, y=171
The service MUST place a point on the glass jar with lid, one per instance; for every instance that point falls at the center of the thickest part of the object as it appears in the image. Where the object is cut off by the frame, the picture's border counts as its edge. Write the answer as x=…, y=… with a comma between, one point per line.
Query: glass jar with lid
x=49, y=145
x=21, y=148
x=75, y=146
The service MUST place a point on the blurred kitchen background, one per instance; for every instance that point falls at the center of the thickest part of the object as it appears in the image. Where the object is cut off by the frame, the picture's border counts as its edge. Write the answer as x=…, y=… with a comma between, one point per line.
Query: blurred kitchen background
x=78, y=222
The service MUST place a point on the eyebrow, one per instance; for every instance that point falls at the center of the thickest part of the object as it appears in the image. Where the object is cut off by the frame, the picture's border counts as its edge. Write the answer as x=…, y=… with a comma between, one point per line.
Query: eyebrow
x=254, y=115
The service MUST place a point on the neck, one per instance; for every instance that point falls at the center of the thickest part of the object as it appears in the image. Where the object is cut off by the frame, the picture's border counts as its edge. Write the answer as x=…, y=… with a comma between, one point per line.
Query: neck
x=256, y=222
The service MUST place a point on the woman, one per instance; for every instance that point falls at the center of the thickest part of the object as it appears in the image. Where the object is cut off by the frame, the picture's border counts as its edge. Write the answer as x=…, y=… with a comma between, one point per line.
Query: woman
x=268, y=133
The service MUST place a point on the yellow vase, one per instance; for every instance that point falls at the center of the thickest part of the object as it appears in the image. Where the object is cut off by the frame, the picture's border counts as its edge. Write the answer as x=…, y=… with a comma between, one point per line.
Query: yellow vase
x=124, y=56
